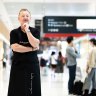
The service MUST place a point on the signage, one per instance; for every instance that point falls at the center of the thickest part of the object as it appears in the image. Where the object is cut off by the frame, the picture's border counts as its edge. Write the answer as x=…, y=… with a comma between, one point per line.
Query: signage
x=69, y=24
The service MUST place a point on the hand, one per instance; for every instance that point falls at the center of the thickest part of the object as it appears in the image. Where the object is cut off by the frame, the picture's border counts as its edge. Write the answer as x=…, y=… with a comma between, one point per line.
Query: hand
x=36, y=48
x=26, y=27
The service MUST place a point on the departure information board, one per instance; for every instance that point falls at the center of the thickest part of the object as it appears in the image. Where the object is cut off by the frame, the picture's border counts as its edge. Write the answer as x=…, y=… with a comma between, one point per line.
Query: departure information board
x=69, y=24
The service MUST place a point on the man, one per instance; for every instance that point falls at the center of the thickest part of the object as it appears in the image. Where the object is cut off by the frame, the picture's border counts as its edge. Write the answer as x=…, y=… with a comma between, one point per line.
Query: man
x=91, y=71
x=71, y=54
x=25, y=71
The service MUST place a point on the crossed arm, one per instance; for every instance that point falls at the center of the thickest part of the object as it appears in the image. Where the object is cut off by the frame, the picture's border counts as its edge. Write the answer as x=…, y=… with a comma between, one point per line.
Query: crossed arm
x=73, y=53
x=21, y=49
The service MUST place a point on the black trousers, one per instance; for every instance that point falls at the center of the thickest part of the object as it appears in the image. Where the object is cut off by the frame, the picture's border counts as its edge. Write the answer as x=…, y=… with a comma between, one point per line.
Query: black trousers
x=72, y=74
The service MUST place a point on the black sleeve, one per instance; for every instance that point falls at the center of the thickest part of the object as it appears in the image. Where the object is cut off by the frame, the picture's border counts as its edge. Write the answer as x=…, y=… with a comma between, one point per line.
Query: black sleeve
x=13, y=37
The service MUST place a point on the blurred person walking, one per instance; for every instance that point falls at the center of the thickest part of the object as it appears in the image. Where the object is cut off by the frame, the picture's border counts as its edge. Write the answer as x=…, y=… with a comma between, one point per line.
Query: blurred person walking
x=71, y=54
x=53, y=63
x=60, y=63
x=91, y=71
x=25, y=73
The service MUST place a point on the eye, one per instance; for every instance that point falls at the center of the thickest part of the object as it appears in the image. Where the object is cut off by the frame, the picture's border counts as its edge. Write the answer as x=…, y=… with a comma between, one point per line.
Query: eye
x=22, y=16
x=27, y=15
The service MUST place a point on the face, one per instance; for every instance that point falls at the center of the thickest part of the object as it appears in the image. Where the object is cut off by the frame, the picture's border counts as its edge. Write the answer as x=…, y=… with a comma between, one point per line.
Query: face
x=24, y=17
x=91, y=43
x=71, y=44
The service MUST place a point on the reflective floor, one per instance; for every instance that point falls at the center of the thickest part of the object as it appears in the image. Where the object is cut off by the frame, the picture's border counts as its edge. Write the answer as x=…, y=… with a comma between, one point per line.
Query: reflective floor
x=52, y=85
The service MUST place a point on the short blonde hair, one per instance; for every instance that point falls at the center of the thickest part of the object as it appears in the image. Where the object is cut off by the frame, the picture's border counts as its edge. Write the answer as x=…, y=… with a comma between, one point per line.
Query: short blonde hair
x=24, y=10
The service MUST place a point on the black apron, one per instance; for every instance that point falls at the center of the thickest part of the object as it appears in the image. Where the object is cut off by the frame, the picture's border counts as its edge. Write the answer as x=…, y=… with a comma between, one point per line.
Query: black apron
x=25, y=72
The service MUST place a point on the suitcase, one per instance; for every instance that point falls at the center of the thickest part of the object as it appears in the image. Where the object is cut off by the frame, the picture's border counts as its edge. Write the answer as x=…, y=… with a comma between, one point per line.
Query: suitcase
x=78, y=84
x=77, y=89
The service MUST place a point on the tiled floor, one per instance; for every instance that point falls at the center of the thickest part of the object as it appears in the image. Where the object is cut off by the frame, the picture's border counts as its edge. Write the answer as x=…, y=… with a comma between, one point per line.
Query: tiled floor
x=51, y=86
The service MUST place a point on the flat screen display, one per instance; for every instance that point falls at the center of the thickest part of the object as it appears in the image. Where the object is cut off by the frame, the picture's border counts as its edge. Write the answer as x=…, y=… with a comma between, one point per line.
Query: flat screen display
x=86, y=25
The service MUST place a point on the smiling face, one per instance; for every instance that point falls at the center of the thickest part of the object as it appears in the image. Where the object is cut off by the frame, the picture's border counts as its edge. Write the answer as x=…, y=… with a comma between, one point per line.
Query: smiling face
x=24, y=16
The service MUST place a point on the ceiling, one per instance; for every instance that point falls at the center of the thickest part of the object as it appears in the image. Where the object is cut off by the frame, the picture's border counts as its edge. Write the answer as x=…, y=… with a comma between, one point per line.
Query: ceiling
x=40, y=8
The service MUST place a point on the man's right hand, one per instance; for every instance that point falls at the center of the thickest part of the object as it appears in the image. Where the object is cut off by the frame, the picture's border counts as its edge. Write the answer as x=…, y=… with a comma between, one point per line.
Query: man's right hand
x=88, y=70
x=26, y=26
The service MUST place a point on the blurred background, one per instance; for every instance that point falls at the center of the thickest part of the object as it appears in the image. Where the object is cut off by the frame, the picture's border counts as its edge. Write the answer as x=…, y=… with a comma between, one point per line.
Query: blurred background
x=56, y=20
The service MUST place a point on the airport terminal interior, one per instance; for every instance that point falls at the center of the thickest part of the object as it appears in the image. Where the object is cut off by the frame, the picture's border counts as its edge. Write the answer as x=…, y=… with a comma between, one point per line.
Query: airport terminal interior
x=55, y=20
